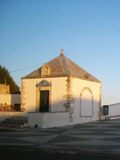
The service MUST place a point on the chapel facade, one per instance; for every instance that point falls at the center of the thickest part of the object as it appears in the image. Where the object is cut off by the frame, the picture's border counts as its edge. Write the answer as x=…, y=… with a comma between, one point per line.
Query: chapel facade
x=60, y=93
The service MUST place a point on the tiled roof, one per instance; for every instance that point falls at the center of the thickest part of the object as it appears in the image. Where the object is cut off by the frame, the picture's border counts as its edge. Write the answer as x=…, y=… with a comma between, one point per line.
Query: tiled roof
x=62, y=66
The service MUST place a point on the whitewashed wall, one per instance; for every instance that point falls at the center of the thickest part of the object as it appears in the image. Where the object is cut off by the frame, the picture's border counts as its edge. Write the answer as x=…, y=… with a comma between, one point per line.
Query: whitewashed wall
x=114, y=111
x=10, y=99
x=58, y=91
x=5, y=98
x=47, y=120
x=28, y=94
x=78, y=86
x=57, y=94
x=86, y=91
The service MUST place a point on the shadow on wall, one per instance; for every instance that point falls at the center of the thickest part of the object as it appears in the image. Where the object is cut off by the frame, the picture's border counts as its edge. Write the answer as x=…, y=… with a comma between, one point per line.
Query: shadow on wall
x=80, y=108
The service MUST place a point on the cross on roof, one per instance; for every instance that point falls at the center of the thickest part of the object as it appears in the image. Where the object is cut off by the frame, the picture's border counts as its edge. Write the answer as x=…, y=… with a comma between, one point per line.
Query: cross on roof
x=62, y=50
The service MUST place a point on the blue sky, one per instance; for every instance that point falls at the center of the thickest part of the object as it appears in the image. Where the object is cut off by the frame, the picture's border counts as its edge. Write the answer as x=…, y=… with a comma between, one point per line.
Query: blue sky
x=32, y=32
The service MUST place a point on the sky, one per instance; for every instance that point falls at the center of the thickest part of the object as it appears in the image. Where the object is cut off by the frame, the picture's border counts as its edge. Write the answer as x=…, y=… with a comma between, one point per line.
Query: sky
x=32, y=32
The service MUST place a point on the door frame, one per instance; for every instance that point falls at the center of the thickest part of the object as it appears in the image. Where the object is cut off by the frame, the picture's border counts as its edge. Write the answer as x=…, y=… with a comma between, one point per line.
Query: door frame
x=47, y=98
x=38, y=89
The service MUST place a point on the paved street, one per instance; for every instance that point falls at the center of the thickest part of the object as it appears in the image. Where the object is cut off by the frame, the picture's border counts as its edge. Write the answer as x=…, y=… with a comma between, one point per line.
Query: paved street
x=38, y=155
x=96, y=138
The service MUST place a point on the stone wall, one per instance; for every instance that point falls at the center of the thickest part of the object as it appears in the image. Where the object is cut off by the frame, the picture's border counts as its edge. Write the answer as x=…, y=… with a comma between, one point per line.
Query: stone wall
x=4, y=89
x=4, y=115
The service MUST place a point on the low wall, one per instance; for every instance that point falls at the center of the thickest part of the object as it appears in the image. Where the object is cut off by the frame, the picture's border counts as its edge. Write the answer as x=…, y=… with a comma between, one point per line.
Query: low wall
x=10, y=99
x=47, y=120
x=114, y=111
x=4, y=115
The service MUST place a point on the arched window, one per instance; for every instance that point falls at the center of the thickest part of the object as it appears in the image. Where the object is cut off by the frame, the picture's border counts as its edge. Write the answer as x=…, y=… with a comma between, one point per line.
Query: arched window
x=86, y=103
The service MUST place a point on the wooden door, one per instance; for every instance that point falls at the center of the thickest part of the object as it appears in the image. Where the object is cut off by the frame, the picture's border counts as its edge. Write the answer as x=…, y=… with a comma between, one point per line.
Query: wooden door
x=44, y=101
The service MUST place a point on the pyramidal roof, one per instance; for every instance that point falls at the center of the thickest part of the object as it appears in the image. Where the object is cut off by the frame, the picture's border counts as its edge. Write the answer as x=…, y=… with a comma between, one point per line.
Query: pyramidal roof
x=59, y=67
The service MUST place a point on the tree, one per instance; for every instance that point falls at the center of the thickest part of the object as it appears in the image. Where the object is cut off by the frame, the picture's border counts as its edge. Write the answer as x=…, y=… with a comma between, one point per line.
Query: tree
x=5, y=78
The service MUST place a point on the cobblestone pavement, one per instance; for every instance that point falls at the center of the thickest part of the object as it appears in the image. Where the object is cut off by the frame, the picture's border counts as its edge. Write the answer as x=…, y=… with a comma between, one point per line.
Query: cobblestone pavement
x=94, y=137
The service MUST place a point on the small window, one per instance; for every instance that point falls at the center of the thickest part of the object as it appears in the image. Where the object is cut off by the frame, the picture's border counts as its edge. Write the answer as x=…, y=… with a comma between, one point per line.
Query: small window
x=45, y=70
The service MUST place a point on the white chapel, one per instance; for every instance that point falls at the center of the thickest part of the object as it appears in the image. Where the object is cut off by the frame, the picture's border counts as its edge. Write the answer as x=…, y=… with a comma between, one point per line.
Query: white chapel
x=60, y=93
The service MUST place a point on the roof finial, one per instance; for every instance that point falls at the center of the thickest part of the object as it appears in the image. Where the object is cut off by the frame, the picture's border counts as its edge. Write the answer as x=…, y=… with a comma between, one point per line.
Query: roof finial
x=62, y=51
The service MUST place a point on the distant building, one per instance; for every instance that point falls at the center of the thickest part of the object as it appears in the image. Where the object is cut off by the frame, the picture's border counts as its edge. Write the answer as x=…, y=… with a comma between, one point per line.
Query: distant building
x=8, y=102
x=113, y=111
x=4, y=89
x=60, y=93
